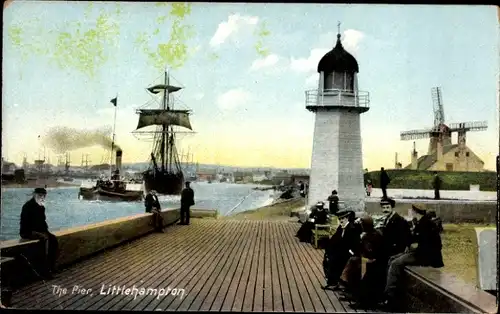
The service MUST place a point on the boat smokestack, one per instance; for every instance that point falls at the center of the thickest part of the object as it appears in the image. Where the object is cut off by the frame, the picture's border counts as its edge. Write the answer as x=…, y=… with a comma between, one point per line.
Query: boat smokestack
x=119, y=153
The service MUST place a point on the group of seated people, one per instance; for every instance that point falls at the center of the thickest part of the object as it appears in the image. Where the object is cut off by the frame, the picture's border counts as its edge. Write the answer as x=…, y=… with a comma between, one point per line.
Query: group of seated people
x=387, y=249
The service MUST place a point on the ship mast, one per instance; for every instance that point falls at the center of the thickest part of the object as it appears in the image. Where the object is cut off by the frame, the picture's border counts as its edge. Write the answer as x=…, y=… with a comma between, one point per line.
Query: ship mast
x=164, y=136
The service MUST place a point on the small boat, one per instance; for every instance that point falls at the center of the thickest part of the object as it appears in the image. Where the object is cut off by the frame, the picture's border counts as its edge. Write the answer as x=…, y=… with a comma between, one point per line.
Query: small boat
x=113, y=189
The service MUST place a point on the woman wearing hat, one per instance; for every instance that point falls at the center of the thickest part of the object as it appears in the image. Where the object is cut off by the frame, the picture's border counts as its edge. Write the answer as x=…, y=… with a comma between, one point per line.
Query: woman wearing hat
x=427, y=252
x=342, y=245
x=317, y=216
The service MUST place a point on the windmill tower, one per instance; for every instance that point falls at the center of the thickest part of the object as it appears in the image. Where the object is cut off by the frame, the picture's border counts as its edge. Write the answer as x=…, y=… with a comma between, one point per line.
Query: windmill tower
x=440, y=133
x=336, y=162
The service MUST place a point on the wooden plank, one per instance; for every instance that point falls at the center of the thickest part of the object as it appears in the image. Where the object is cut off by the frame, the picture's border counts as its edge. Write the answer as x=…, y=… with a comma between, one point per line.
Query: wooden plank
x=45, y=298
x=172, y=281
x=296, y=271
x=213, y=301
x=239, y=296
x=314, y=278
x=286, y=292
x=204, y=287
x=219, y=263
x=267, y=272
x=248, y=301
x=194, y=268
x=67, y=277
x=275, y=278
x=238, y=279
x=127, y=268
x=146, y=274
x=312, y=301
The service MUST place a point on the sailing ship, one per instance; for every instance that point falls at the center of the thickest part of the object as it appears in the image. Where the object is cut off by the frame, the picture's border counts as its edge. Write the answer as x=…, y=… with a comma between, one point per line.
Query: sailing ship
x=114, y=188
x=164, y=173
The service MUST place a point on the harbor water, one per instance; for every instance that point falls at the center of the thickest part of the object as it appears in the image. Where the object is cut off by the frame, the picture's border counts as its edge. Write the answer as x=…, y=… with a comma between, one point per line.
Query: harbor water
x=65, y=210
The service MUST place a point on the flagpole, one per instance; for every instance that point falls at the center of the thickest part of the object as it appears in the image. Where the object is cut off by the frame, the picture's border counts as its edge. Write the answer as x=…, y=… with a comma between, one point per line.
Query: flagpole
x=113, y=139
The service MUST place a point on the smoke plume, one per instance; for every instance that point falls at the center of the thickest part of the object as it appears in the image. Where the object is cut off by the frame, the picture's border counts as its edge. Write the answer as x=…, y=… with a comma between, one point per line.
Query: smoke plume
x=63, y=139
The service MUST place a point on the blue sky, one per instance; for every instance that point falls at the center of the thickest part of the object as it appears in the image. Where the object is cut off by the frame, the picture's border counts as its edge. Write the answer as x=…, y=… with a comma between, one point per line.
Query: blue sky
x=249, y=110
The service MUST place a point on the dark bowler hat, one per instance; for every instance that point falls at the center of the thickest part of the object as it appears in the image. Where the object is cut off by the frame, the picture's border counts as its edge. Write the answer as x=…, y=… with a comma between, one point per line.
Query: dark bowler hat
x=40, y=191
x=345, y=213
x=388, y=201
x=419, y=209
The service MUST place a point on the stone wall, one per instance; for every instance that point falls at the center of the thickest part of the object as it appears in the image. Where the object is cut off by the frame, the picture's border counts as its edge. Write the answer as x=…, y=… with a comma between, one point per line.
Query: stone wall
x=449, y=211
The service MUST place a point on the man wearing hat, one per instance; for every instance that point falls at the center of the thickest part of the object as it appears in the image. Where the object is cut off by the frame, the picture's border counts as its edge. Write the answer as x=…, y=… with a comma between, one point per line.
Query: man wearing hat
x=153, y=206
x=396, y=230
x=342, y=245
x=33, y=226
x=427, y=252
x=318, y=216
x=187, y=200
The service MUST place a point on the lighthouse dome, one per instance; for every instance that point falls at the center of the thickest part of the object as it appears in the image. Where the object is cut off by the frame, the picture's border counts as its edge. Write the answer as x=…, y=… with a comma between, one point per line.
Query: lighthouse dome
x=338, y=60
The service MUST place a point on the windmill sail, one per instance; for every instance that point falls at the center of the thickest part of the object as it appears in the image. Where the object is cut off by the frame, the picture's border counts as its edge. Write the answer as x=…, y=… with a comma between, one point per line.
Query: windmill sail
x=148, y=117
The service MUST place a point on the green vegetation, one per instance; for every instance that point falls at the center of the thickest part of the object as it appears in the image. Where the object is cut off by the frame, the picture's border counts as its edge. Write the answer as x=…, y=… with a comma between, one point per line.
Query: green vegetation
x=86, y=46
x=460, y=250
x=422, y=179
x=280, y=210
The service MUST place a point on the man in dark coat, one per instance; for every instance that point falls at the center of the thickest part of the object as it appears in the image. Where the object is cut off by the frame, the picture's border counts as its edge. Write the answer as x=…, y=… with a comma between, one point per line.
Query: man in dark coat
x=396, y=230
x=427, y=253
x=384, y=182
x=372, y=248
x=33, y=226
x=318, y=216
x=187, y=200
x=436, y=185
x=333, y=200
x=152, y=205
x=302, y=189
x=341, y=246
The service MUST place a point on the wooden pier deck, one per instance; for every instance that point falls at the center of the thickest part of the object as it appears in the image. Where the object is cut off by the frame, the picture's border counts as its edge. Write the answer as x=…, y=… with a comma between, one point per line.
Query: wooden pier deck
x=222, y=265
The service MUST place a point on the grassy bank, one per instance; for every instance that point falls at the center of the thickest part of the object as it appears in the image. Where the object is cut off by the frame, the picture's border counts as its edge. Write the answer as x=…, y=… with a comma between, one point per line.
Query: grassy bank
x=279, y=210
x=421, y=179
x=459, y=240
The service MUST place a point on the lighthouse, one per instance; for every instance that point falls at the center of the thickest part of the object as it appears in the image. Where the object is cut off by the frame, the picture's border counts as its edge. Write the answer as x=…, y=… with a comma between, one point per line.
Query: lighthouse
x=336, y=161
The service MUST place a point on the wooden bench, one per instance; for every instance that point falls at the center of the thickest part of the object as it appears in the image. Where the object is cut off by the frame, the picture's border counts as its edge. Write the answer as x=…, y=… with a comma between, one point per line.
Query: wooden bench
x=433, y=290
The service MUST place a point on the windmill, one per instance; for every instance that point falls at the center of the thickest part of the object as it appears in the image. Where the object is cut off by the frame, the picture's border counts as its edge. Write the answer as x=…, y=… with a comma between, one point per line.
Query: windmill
x=440, y=133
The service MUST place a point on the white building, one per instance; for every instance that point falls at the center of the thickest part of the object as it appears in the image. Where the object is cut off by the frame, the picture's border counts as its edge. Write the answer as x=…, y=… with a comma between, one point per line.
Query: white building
x=336, y=161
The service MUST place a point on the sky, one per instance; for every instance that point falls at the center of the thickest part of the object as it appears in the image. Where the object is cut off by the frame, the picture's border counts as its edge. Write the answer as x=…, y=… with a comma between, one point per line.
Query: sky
x=248, y=109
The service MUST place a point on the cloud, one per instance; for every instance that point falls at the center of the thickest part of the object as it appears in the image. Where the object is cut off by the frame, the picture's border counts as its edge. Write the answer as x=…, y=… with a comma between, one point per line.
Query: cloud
x=233, y=26
x=233, y=98
x=309, y=64
x=265, y=62
x=199, y=96
x=312, y=80
x=351, y=40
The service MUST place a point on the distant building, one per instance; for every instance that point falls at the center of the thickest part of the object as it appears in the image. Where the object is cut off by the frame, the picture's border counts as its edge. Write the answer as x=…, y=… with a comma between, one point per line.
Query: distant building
x=455, y=157
x=297, y=178
x=8, y=167
x=243, y=176
x=282, y=176
x=206, y=175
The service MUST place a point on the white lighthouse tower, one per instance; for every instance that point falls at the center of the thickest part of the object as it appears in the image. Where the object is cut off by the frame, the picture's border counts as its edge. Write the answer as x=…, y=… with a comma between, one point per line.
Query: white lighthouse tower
x=337, y=162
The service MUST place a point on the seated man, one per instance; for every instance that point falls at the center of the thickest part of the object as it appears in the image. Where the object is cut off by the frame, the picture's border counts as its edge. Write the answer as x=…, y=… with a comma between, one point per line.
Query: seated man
x=341, y=247
x=33, y=226
x=372, y=248
x=317, y=216
x=153, y=206
x=427, y=253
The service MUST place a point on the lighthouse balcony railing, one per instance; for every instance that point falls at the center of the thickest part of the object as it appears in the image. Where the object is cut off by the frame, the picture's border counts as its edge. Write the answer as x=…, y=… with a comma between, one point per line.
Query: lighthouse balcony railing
x=337, y=98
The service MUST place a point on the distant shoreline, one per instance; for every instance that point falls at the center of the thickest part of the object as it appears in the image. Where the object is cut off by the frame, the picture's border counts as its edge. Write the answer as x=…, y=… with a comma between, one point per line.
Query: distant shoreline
x=35, y=184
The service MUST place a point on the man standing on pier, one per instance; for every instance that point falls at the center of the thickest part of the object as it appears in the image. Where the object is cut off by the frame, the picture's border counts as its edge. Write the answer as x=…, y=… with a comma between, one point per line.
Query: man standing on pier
x=153, y=206
x=33, y=226
x=436, y=185
x=384, y=182
x=187, y=200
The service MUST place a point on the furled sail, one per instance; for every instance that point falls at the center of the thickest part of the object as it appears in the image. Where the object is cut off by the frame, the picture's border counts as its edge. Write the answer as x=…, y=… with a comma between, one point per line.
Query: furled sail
x=149, y=117
x=160, y=87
